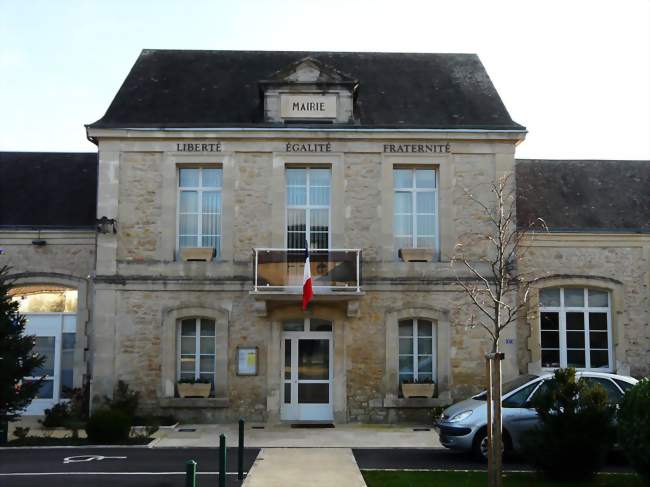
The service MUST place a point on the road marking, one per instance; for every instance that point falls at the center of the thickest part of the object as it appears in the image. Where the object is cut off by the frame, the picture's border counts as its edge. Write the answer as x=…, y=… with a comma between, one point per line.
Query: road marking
x=28, y=474
x=89, y=458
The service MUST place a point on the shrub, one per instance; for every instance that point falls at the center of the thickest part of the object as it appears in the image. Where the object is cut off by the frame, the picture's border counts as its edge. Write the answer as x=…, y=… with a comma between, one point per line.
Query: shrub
x=108, y=426
x=57, y=416
x=21, y=432
x=634, y=427
x=124, y=399
x=576, y=428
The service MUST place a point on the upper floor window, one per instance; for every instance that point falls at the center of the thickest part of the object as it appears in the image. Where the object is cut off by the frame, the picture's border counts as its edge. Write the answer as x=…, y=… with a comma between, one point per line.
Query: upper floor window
x=575, y=325
x=199, y=208
x=415, y=205
x=308, y=207
x=417, y=345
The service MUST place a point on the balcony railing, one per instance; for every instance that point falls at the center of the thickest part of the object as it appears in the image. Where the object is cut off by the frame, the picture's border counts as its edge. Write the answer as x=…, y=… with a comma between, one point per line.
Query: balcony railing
x=332, y=270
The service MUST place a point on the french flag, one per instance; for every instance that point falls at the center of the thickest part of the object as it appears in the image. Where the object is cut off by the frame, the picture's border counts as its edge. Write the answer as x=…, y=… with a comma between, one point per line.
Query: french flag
x=307, y=291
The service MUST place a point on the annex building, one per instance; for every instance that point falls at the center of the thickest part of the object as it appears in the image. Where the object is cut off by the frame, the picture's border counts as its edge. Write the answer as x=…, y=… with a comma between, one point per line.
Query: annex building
x=175, y=251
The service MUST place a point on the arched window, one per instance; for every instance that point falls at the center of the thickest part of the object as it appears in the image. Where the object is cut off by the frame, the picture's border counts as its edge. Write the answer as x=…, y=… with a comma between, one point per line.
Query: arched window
x=197, y=350
x=417, y=350
x=575, y=328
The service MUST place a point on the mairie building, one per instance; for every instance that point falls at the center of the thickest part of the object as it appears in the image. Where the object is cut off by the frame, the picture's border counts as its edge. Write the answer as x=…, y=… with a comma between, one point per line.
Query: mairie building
x=175, y=252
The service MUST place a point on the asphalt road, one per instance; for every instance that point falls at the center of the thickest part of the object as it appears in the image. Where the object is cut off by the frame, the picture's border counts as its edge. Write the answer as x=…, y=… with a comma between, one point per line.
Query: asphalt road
x=153, y=467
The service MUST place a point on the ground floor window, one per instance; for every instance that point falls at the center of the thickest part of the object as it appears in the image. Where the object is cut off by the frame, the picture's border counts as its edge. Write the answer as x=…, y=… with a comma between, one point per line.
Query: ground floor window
x=196, y=350
x=575, y=328
x=417, y=342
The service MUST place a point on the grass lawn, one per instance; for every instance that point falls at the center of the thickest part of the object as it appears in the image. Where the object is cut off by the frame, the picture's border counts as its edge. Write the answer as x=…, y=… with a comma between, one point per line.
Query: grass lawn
x=376, y=478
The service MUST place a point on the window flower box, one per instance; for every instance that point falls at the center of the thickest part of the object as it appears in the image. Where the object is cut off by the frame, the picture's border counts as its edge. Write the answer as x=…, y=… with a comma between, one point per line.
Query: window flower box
x=418, y=389
x=193, y=389
x=416, y=255
x=203, y=254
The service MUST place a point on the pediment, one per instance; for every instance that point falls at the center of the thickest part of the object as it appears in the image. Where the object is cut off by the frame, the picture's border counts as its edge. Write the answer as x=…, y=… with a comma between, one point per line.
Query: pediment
x=309, y=71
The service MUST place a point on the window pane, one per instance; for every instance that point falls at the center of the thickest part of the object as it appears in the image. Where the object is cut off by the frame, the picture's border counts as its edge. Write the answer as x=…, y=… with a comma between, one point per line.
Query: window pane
x=189, y=178
x=189, y=224
x=550, y=358
x=403, y=225
x=296, y=195
x=212, y=177
x=575, y=321
x=207, y=363
x=287, y=393
x=296, y=220
x=67, y=341
x=320, y=325
x=319, y=177
x=44, y=346
x=46, y=391
x=189, y=202
x=424, y=328
x=403, y=178
x=598, y=339
x=287, y=359
x=549, y=297
x=575, y=339
x=211, y=201
x=207, y=345
x=599, y=359
x=188, y=327
x=406, y=328
x=188, y=364
x=313, y=393
x=298, y=325
x=425, y=376
x=598, y=321
x=319, y=221
x=425, y=202
x=425, y=364
x=550, y=321
x=187, y=241
x=406, y=346
x=296, y=177
x=425, y=178
x=574, y=297
x=313, y=359
x=319, y=196
x=425, y=346
x=426, y=224
x=207, y=327
x=403, y=202
x=407, y=376
x=188, y=345
x=598, y=299
x=425, y=242
x=550, y=339
x=575, y=358
x=406, y=364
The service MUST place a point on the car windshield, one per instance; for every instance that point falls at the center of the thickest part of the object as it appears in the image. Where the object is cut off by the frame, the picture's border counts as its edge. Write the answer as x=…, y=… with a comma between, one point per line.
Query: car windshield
x=509, y=386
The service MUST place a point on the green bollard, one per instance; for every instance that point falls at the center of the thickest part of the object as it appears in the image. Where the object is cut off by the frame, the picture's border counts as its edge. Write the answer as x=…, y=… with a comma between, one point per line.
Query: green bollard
x=240, y=451
x=190, y=473
x=222, y=460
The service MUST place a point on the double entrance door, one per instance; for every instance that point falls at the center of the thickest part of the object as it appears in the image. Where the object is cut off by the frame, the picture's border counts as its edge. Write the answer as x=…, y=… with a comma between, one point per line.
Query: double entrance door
x=307, y=370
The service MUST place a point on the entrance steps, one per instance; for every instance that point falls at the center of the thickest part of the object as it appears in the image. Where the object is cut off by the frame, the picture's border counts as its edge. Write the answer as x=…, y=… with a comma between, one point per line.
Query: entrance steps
x=300, y=467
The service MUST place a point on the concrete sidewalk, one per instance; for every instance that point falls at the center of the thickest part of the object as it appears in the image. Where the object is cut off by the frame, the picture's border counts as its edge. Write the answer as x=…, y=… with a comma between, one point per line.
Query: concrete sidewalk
x=298, y=467
x=284, y=436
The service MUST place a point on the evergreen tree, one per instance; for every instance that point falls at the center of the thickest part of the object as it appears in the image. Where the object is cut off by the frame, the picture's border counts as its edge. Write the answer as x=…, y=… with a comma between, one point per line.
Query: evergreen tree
x=16, y=357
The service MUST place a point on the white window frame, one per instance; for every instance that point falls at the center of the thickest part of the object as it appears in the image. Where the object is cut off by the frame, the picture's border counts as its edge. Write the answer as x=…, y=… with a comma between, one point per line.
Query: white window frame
x=562, y=310
x=413, y=190
x=416, y=343
x=200, y=190
x=307, y=207
x=197, y=348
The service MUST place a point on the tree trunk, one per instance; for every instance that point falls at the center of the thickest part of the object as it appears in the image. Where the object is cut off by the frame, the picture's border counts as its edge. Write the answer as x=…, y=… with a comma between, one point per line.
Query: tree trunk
x=495, y=442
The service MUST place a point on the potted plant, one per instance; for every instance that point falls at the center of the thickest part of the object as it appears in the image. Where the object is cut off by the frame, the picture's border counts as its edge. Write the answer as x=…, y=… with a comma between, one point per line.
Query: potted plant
x=194, y=387
x=418, y=387
x=200, y=254
x=416, y=255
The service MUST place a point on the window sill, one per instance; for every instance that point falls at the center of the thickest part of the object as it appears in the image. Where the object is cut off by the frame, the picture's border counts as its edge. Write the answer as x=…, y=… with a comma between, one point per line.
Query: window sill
x=194, y=402
x=443, y=399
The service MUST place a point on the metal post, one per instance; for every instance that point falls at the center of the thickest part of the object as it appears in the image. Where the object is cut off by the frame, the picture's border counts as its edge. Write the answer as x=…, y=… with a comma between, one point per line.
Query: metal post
x=256, y=263
x=240, y=451
x=222, y=460
x=498, y=444
x=190, y=473
x=488, y=403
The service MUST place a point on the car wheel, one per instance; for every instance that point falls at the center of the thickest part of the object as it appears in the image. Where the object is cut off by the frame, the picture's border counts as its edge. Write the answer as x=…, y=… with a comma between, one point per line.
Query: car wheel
x=480, y=445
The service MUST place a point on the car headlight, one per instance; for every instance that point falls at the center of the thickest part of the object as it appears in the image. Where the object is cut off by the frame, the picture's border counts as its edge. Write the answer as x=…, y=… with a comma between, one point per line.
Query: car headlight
x=460, y=416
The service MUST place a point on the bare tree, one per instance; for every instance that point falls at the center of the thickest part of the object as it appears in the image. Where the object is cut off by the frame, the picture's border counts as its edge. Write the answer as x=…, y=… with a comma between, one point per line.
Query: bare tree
x=498, y=292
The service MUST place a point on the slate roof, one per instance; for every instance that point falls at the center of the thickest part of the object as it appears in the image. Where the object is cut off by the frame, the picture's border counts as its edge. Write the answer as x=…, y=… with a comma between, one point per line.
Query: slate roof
x=584, y=195
x=212, y=89
x=48, y=189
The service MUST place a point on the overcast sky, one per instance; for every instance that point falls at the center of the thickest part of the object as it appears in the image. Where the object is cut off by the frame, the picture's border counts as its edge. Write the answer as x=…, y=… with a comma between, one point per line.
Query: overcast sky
x=575, y=73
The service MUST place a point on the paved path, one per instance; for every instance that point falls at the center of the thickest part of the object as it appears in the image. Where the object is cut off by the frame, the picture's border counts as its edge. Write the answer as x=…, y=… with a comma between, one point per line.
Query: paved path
x=299, y=467
x=284, y=436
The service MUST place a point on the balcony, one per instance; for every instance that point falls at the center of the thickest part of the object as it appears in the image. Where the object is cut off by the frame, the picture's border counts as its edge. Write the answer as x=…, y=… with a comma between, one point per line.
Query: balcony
x=335, y=274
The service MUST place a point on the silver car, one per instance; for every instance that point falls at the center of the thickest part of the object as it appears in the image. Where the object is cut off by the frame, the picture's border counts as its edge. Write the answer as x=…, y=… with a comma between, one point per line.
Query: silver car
x=463, y=425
